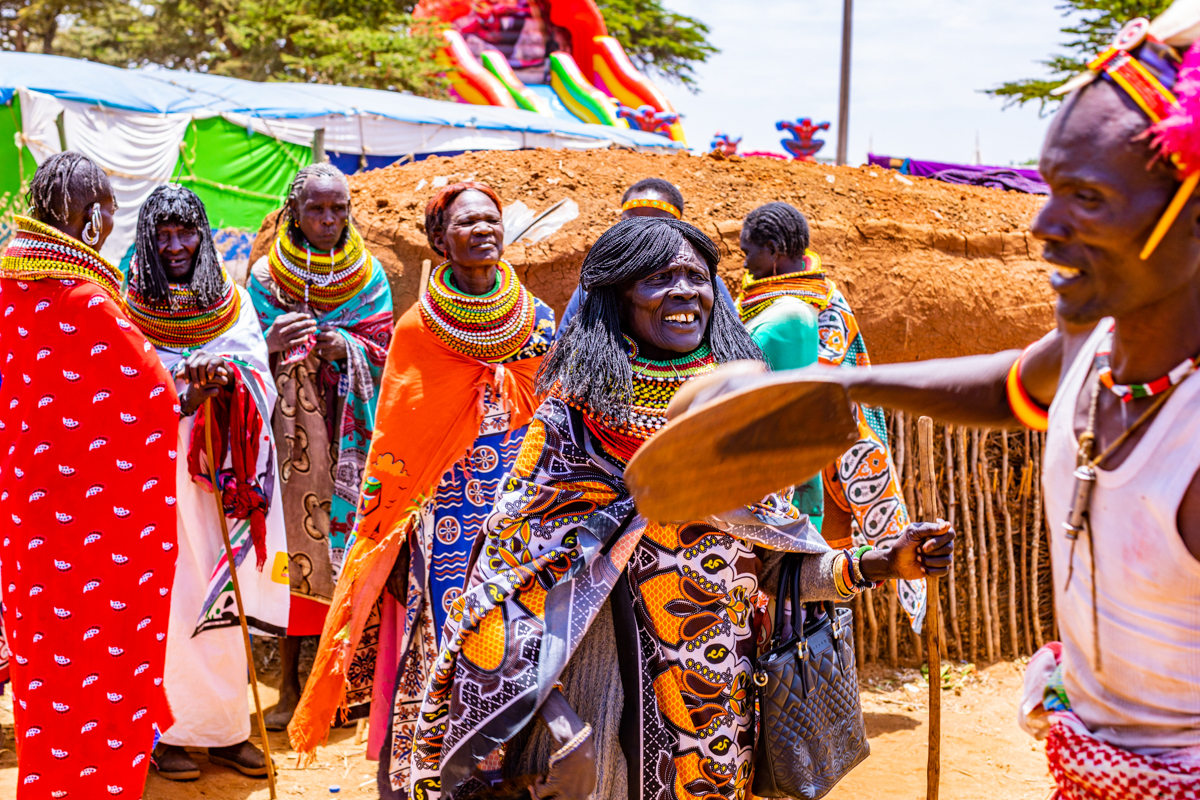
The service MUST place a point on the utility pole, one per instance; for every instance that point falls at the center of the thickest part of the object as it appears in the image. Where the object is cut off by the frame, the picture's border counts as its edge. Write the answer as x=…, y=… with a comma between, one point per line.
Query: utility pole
x=844, y=93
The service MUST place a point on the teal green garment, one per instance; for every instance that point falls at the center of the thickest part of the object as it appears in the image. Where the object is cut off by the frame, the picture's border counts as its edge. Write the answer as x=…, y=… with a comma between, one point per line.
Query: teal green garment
x=786, y=332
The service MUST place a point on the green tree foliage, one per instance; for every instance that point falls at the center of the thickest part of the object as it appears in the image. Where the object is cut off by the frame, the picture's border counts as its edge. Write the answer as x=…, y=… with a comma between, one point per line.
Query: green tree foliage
x=373, y=43
x=658, y=40
x=1087, y=35
x=34, y=25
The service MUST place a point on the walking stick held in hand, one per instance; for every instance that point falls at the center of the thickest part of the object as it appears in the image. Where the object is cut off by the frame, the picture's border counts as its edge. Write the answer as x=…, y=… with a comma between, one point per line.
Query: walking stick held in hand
x=237, y=593
x=932, y=624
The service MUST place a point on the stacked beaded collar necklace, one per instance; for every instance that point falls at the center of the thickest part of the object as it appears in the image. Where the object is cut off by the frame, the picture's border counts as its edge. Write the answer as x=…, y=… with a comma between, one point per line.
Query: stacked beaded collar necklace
x=810, y=285
x=39, y=251
x=1134, y=391
x=179, y=323
x=491, y=327
x=322, y=281
x=654, y=385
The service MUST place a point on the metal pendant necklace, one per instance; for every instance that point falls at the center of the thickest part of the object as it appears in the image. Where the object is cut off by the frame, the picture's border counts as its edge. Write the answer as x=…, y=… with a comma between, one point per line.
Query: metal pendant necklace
x=1078, y=517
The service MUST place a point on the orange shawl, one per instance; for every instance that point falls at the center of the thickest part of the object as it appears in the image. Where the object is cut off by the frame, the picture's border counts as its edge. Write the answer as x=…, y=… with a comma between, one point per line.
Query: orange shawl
x=430, y=408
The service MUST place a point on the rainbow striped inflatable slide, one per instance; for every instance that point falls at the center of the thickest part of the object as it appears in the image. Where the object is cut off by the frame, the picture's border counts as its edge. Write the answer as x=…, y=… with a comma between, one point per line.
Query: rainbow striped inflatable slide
x=551, y=57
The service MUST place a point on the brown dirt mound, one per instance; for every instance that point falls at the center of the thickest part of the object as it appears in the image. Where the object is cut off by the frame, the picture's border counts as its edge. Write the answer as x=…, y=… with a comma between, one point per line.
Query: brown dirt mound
x=932, y=270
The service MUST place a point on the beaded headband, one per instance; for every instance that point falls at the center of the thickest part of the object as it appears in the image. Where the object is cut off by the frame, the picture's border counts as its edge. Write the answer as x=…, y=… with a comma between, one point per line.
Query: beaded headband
x=1173, y=113
x=646, y=202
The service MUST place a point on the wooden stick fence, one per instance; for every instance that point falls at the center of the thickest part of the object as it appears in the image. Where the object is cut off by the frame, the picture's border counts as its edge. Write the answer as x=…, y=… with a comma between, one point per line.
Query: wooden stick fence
x=1000, y=590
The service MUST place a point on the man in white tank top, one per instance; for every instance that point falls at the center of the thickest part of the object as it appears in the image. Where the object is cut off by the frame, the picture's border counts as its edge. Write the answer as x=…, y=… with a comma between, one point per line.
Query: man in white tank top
x=1119, y=697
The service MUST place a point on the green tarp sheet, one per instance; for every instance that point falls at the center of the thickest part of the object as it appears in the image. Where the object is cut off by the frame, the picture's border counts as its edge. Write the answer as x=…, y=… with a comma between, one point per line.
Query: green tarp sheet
x=240, y=175
x=16, y=166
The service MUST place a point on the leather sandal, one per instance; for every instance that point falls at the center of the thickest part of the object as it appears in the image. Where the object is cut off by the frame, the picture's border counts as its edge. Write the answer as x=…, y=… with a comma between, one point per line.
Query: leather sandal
x=245, y=758
x=174, y=763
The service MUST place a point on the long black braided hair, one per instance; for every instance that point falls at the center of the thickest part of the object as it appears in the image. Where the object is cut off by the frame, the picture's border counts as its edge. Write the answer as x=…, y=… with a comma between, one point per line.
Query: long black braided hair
x=64, y=184
x=781, y=225
x=589, y=363
x=322, y=169
x=175, y=203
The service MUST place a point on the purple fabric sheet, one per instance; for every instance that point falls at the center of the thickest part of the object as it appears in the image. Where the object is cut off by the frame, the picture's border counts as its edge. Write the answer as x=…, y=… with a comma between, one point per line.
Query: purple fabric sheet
x=1012, y=178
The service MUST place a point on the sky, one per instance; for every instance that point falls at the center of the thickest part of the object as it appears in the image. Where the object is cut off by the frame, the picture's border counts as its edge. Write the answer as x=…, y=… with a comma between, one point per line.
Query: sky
x=917, y=70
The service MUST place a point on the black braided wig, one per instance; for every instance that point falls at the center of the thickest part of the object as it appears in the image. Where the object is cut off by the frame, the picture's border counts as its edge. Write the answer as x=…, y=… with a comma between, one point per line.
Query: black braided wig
x=589, y=363
x=175, y=203
x=64, y=184
x=781, y=225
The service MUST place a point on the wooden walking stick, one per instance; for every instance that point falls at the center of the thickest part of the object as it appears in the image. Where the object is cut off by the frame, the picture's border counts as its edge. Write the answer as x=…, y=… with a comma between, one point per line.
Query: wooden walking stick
x=931, y=625
x=237, y=593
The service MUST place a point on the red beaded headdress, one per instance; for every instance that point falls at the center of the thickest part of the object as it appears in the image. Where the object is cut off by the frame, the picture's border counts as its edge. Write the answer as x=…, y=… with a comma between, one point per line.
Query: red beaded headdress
x=1174, y=111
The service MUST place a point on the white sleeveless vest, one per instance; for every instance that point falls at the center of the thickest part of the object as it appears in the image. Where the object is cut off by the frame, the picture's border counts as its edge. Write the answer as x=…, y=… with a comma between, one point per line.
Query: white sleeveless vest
x=1146, y=695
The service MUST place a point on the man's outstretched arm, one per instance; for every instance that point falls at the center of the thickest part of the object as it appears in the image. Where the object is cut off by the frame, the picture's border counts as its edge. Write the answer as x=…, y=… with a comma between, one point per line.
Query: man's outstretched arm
x=966, y=391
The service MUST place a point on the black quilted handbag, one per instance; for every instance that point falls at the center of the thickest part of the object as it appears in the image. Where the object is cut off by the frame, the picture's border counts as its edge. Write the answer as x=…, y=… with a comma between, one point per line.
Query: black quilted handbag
x=810, y=731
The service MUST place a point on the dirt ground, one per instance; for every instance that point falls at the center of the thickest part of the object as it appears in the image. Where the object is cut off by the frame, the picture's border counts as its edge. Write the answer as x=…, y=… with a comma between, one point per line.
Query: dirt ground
x=985, y=756
x=920, y=261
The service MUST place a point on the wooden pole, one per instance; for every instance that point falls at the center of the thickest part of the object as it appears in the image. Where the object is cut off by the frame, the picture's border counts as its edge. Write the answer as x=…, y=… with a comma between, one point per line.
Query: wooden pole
x=990, y=486
x=969, y=539
x=952, y=517
x=872, y=625
x=844, y=87
x=237, y=594
x=1026, y=478
x=1014, y=629
x=893, y=602
x=1035, y=588
x=981, y=547
x=932, y=625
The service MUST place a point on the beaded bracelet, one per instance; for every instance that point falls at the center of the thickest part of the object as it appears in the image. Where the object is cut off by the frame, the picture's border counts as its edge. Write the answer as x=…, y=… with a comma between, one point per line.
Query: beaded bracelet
x=856, y=562
x=571, y=746
x=1028, y=411
x=863, y=582
x=843, y=581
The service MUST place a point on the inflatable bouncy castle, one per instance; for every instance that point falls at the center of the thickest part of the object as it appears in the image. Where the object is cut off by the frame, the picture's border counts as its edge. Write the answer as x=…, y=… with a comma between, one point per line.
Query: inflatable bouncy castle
x=552, y=57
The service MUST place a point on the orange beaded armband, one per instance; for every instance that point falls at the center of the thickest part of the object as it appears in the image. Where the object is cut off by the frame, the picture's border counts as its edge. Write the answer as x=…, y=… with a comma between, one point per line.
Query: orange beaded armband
x=1025, y=408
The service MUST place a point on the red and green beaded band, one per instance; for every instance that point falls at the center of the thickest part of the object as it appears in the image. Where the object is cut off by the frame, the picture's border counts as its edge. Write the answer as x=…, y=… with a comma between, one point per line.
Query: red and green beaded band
x=1028, y=411
x=1136, y=391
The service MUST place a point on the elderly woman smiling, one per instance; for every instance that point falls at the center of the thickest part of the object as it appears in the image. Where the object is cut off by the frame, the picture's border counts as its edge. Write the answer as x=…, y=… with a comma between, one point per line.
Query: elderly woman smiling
x=585, y=614
x=456, y=397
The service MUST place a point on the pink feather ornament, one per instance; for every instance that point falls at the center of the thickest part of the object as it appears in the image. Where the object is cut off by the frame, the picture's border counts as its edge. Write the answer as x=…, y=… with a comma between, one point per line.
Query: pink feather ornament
x=1178, y=135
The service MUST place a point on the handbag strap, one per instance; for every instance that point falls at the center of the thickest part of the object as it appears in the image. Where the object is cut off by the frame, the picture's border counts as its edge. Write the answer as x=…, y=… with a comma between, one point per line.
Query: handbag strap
x=789, y=590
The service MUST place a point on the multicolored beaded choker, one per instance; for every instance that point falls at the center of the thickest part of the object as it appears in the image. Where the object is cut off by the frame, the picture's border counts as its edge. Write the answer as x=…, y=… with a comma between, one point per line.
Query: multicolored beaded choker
x=654, y=385
x=811, y=286
x=39, y=251
x=491, y=327
x=1134, y=391
x=179, y=323
x=322, y=281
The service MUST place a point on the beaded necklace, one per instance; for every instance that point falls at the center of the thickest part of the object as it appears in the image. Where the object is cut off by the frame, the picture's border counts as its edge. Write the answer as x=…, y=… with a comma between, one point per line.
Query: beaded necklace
x=491, y=327
x=654, y=385
x=1134, y=391
x=39, y=251
x=323, y=281
x=179, y=322
x=810, y=285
